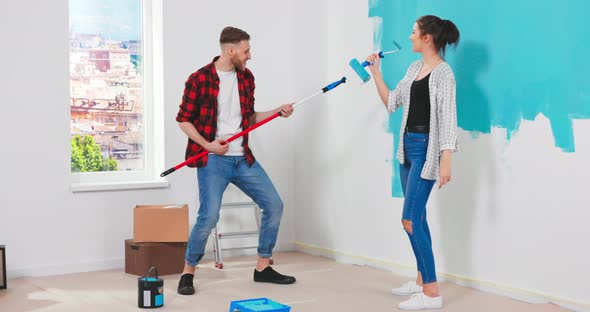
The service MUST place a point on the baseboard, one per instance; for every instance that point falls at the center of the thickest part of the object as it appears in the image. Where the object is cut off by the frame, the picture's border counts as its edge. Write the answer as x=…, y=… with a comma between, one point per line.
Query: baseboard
x=524, y=295
x=59, y=269
x=118, y=263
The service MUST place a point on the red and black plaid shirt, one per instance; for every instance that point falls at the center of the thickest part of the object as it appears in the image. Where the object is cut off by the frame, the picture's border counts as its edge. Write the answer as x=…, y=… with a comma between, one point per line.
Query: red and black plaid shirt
x=199, y=107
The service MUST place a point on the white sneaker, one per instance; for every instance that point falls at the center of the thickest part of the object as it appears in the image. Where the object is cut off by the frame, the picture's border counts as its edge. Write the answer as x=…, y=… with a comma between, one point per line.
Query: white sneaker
x=421, y=302
x=407, y=289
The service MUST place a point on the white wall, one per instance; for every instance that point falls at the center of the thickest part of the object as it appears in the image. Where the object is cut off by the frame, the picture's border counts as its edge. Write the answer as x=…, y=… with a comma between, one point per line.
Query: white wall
x=47, y=228
x=514, y=215
x=513, y=218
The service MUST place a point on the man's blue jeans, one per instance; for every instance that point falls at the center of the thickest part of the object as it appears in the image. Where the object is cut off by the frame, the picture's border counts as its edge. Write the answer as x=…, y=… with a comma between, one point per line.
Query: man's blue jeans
x=254, y=182
x=416, y=191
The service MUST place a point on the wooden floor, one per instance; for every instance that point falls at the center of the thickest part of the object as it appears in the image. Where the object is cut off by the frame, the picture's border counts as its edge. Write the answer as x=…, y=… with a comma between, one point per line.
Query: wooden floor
x=323, y=285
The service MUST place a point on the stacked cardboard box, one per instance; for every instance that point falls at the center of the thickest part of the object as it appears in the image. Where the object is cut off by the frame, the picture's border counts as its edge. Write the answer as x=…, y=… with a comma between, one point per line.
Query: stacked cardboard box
x=160, y=233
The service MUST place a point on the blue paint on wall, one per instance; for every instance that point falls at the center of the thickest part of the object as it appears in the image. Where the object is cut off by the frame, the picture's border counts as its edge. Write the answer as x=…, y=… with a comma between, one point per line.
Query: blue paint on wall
x=514, y=62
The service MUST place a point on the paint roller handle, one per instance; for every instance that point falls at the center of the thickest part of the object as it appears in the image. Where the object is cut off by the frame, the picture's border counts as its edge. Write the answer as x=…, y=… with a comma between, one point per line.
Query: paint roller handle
x=333, y=85
x=253, y=127
x=365, y=63
x=167, y=172
x=322, y=91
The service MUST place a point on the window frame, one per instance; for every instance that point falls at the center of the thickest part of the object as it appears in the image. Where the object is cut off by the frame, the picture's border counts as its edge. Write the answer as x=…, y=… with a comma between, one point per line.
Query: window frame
x=152, y=117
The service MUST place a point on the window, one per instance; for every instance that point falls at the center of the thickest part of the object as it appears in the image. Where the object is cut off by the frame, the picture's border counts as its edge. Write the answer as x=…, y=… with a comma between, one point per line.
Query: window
x=114, y=59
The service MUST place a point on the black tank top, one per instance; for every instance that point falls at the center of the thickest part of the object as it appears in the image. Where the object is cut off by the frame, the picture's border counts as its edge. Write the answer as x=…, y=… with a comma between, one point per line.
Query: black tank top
x=419, y=114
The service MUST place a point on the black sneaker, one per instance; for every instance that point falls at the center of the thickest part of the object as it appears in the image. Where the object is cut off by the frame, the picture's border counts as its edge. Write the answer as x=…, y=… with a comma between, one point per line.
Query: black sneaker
x=185, y=286
x=268, y=275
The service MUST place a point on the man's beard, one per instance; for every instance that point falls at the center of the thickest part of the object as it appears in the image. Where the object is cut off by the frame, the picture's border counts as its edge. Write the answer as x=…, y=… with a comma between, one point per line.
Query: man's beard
x=239, y=65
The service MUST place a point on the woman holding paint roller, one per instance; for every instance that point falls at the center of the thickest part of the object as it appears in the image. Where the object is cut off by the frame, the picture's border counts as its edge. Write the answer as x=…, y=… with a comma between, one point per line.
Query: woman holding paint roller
x=429, y=132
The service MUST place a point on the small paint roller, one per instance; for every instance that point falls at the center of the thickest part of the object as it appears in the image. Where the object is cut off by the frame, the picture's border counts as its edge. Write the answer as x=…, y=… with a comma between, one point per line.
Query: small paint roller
x=359, y=67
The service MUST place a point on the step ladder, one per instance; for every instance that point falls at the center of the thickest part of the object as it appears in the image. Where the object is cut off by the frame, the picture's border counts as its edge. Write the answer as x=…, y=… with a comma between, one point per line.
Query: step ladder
x=219, y=236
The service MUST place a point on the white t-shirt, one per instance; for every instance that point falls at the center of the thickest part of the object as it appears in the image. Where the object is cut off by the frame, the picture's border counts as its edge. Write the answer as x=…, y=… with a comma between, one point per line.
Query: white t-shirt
x=229, y=112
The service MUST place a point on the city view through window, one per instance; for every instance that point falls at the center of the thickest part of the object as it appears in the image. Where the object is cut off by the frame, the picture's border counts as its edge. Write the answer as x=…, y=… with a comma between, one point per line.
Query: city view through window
x=106, y=85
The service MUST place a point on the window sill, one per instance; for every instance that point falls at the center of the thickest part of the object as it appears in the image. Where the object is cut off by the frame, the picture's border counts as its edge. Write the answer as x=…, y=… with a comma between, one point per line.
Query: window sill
x=118, y=186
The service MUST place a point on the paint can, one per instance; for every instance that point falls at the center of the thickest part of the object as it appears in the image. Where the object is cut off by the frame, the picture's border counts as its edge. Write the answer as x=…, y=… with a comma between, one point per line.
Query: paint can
x=150, y=290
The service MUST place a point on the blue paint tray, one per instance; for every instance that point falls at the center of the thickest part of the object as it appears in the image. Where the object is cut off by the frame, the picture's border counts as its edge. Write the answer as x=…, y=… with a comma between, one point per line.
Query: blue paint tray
x=258, y=305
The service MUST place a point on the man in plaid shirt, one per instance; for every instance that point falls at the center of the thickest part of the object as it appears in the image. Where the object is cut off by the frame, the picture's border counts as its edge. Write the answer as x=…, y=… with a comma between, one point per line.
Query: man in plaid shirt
x=218, y=102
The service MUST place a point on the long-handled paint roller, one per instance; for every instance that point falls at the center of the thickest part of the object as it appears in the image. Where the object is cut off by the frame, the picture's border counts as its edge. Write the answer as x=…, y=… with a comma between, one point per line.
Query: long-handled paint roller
x=359, y=68
x=253, y=127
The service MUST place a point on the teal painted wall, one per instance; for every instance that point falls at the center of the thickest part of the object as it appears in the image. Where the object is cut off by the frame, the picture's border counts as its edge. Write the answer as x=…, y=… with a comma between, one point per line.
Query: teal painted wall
x=515, y=60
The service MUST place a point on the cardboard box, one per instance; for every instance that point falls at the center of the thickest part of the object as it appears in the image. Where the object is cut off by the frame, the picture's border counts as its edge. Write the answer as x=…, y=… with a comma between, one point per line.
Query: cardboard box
x=160, y=223
x=168, y=258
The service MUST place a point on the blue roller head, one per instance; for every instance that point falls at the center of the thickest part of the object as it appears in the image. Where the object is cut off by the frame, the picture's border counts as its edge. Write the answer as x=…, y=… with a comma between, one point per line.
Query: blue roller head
x=397, y=45
x=359, y=70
